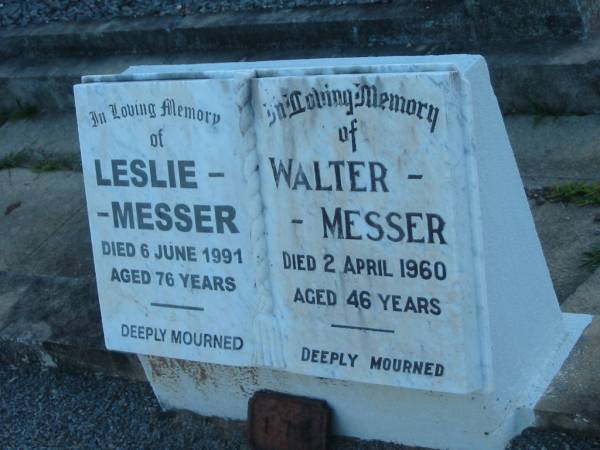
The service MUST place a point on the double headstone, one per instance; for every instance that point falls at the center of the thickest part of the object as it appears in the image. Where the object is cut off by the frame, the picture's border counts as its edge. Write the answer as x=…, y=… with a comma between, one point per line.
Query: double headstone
x=359, y=220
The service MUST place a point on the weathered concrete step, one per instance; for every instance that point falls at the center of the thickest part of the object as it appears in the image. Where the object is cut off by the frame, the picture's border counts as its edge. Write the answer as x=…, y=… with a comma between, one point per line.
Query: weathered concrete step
x=43, y=224
x=555, y=150
x=572, y=401
x=55, y=322
x=414, y=26
x=531, y=82
x=549, y=150
x=44, y=135
x=586, y=299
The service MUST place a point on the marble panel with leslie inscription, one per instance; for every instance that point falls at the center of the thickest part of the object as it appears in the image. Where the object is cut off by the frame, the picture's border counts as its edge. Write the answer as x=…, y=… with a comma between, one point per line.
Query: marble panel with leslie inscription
x=163, y=168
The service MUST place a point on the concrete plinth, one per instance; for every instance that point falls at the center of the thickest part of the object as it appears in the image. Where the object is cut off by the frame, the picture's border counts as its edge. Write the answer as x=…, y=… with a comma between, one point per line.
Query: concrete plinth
x=410, y=417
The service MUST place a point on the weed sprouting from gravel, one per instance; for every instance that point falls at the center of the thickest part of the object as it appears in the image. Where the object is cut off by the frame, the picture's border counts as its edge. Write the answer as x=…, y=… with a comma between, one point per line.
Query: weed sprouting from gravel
x=579, y=193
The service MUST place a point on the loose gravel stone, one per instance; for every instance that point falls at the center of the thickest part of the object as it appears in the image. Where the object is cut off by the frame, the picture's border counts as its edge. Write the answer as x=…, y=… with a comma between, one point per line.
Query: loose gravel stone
x=41, y=409
x=19, y=13
x=49, y=409
x=537, y=439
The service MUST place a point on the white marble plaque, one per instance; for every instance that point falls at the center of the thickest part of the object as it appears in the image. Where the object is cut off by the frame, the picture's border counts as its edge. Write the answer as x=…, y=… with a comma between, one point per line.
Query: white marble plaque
x=163, y=166
x=367, y=185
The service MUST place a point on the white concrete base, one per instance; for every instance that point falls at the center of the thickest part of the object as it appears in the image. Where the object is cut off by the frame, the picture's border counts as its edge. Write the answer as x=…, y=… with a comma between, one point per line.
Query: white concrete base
x=410, y=417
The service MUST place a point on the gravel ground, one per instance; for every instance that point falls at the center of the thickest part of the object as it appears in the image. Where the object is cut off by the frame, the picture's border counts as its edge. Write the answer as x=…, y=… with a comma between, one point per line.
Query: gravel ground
x=15, y=13
x=51, y=409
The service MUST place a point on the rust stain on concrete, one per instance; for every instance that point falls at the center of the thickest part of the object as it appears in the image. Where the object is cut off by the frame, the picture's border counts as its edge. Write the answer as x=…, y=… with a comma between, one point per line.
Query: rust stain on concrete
x=196, y=371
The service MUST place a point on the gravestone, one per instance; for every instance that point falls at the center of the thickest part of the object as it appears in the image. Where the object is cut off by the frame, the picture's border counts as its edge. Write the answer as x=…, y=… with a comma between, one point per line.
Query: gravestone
x=369, y=227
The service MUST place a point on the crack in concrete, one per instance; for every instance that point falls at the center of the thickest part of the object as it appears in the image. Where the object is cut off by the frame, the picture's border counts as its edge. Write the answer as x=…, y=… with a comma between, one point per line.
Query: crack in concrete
x=51, y=234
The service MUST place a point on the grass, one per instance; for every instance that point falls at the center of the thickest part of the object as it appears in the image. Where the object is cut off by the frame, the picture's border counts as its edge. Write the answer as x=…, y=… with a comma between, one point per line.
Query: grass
x=584, y=195
x=546, y=110
x=25, y=158
x=542, y=110
x=24, y=112
x=579, y=193
x=14, y=159
x=21, y=112
x=591, y=259
x=52, y=165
